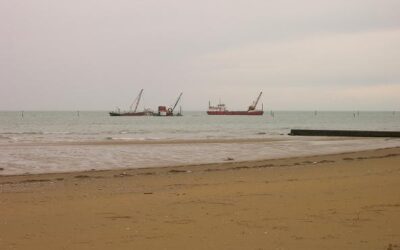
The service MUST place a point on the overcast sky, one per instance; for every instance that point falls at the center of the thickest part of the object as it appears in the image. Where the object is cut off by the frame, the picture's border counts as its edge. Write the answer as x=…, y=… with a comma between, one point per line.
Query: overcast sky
x=98, y=54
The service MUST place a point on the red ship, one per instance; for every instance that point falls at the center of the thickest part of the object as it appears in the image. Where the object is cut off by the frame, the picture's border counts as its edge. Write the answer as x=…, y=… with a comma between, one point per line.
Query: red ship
x=220, y=109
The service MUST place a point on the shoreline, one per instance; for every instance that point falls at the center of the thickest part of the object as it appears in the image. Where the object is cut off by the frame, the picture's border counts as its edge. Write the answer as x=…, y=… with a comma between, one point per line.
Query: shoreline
x=132, y=141
x=193, y=167
x=42, y=158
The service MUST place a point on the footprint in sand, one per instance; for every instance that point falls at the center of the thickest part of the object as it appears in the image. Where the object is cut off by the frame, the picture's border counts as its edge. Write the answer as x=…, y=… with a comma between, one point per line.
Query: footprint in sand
x=35, y=180
x=82, y=176
x=176, y=171
x=118, y=217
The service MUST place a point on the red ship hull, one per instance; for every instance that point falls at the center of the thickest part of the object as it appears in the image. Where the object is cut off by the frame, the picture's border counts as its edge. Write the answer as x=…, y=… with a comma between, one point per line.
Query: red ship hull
x=258, y=112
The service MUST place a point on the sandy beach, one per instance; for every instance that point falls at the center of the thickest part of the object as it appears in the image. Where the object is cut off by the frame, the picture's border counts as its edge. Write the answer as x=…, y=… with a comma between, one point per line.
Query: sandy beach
x=200, y=125
x=340, y=201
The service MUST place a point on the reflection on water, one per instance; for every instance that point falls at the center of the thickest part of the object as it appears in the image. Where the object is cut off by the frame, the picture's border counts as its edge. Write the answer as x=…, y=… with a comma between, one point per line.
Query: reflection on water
x=19, y=159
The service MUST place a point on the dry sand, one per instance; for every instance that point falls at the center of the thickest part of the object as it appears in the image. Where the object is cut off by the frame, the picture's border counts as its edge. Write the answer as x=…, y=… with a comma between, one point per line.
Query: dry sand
x=342, y=201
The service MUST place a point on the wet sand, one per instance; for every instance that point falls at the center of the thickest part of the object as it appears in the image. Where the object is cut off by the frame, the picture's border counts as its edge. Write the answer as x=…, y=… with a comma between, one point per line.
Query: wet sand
x=341, y=201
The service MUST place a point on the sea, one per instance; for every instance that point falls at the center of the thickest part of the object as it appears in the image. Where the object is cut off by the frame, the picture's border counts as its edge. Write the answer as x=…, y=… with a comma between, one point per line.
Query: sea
x=34, y=142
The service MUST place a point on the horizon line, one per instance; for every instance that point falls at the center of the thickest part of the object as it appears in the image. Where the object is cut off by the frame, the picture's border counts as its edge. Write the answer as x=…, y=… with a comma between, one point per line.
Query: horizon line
x=265, y=111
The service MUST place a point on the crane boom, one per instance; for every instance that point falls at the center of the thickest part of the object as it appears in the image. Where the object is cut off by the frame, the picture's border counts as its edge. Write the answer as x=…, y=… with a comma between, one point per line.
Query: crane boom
x=254, y=105
x=137, y=101
x=258, y=99
x=177, y=101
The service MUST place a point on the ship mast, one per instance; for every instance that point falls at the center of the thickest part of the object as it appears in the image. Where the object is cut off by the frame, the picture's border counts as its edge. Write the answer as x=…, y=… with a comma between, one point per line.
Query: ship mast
x=137, y=100
x=253, y=107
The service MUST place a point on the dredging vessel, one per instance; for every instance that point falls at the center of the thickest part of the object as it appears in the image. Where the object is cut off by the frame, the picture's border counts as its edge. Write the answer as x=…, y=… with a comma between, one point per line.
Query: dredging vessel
x=221, y=109
x=164, y=111
x=133, y=112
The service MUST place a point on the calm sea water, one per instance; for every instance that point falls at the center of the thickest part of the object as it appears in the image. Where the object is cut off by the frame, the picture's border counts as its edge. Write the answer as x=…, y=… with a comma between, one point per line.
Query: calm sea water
x=24, y=140
x=68, y=126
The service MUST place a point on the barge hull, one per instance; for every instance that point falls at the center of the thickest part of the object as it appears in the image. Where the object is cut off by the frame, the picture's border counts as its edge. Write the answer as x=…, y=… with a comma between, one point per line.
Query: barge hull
x=131, y=114
x=235, y=112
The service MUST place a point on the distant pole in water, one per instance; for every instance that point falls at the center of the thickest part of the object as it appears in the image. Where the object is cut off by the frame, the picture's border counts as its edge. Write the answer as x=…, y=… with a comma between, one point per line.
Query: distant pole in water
x=22, y=114
x=77, y=113
x=315, y=112
x=354, y=115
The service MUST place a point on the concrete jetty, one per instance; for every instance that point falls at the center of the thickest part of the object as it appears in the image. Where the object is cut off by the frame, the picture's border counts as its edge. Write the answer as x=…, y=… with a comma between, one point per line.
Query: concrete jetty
x=350, y=133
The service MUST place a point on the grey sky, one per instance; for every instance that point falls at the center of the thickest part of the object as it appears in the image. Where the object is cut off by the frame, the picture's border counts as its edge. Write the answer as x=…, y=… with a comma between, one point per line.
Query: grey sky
x=304, y=54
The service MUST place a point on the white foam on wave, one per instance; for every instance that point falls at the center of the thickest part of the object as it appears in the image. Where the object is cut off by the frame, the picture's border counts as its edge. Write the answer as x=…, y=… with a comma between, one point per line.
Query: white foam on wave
x=24, y=133
x=57, y=133
x=133, y=138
